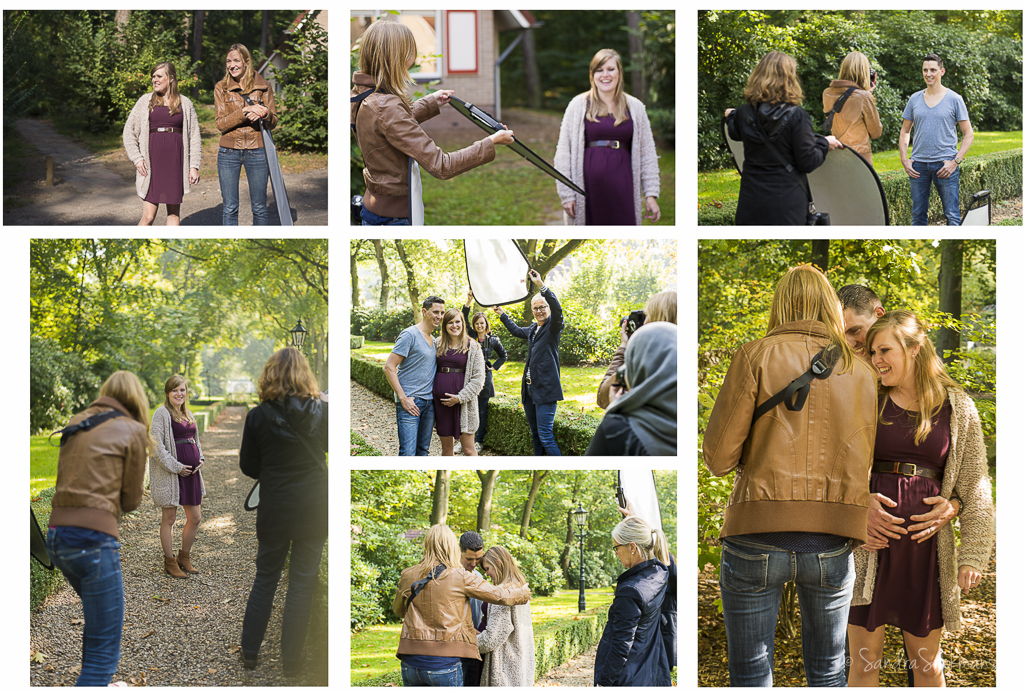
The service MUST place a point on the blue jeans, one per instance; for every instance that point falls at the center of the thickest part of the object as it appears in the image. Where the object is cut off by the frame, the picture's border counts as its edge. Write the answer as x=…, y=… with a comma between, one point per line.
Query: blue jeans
x=371, y=219
x=481, y=403
x=302, y=571
x=93, y=568
x=541, y=418
x=229, y=170
x=414, y=432
x=751, y=578
x=428, y=677
x=920, y=189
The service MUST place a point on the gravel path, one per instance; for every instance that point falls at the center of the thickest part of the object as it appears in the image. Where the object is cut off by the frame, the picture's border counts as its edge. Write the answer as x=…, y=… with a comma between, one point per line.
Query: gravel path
x=577, y=672
x=179, y=632
x=373, y=417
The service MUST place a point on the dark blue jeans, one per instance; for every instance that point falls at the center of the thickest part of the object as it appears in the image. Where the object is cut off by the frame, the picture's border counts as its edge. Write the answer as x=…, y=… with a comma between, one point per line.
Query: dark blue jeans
x=414, y=432
x=482, y=406
x=920, y=189
x=430, y=677
x=751, y=577
x=229, y=170
x=541, y=418
x=93, y=569
x=371, y=219
x=302, y=571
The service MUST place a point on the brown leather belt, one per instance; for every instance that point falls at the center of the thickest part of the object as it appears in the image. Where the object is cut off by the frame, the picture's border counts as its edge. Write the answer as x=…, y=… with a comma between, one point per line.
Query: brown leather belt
x=614, y=144
x=182, y=441
x=165, y=129
x=446, y=369
x=906, y=469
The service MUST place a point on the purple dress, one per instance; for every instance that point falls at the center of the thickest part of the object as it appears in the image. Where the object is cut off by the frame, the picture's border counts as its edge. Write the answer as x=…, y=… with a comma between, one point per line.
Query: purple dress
x=166, y=158
x=448, y=420
x=608, y=173
x=907, y=584
x=190, y=488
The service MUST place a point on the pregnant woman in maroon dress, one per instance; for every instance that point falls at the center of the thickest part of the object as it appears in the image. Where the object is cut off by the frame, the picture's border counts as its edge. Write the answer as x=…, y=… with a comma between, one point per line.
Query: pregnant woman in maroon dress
x=929, y=467
x=161, y=138
x=459, y=379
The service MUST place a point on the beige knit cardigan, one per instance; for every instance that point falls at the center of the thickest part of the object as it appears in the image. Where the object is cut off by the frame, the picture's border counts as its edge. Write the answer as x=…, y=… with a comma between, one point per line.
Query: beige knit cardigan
x=966, y=473
x=472, y=384
x=509, y=640
x=572, y=144
x=163, y=462
x=136, y=141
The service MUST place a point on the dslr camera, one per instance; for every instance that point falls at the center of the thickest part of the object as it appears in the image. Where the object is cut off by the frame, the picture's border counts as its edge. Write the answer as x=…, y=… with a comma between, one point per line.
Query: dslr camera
x=634, y=320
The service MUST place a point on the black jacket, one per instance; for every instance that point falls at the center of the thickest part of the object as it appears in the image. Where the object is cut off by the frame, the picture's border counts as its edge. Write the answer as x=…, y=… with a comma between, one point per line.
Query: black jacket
x=542, y=353
x=769, y=194
x=668, y=615
x=632, y=651
x=293, y=483
x=489, y=346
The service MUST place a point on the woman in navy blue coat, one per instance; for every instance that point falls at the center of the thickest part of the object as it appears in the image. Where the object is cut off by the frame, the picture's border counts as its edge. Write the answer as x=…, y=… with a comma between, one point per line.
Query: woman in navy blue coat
x=632, y=649
x=542, y=376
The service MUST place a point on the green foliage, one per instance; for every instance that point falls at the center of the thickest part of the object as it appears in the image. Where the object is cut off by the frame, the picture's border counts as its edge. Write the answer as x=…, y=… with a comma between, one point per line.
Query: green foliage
x=379, y=325
x=381, y=548
x=366, y=608
x=657, y=62
x=360, y=448
x=600, y=568
x=60, y=384
x=370, y=374
x=42, y=582
x=538, y=561
x=508, y=432
x=560, y=642
x=302, y=121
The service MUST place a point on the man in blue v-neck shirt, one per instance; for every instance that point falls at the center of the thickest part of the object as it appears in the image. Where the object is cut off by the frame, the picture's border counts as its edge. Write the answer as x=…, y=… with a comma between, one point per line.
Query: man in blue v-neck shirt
x=410, y=370
x=933, y=113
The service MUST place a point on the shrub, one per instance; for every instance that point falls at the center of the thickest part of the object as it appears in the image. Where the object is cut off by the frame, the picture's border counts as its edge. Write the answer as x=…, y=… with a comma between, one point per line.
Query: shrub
x=366, y=610
x=384, y=548
x=379, y=325
x=302, y=123
x=559, y=642
x=370, y=374
x=361, y=448
x=597, y=571
x=60, y=384
x=42, y=582
x=537, y=561
x=355, y=342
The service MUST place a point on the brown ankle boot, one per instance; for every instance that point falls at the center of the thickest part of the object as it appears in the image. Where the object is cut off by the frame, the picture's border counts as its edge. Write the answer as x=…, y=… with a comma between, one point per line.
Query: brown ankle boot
x=172, y=569
x=185, y=563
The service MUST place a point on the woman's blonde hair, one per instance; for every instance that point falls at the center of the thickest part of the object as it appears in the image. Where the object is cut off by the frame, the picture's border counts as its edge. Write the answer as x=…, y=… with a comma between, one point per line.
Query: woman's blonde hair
x=440, y=547
x=287, y=373
x=930, y=378
x=596, y=107
x=385, y=50
x=650, y=542
x=248, y=74
x=774, y=80
x=804, y=293
x=461, y=345
x=857, y=69
x=171, y=98
x=127, y=389
x=661, y=307
x=183, y=415
x=505, y=568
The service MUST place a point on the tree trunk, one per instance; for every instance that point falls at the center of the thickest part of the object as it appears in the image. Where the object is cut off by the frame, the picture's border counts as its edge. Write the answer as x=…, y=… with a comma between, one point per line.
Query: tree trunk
x=439, y=506
x=354, y=270
x=636, y=56
x=819, y=255
x=410, y=277
x=264, y=31
x=483, y=509
x=121, y=19
x=528, y=508
x=246, y=23
x=951, y=274
x=544, y=259
x=570, y=542
x=197, y=47
x=533, y=91
x=385, y=280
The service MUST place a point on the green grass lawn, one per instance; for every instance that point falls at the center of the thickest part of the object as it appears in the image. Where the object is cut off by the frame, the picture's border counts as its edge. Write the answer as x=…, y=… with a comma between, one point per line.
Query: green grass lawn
x=511, y=191
x=373, y=649
x=579, y=383
x=724, y=184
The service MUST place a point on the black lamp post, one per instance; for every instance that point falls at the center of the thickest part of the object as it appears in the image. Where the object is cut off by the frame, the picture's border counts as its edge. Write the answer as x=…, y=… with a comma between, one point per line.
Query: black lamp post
x=298, y=334
x=580, y=517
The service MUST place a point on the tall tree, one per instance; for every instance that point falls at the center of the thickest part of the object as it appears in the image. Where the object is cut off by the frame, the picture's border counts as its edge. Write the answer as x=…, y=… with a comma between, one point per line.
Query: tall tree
x=265, y=31
x=354, y=268
x=385, y=280
x=410, y=275
x=532, y=74
x=543, y=256
x=951, y=275
x=636, y=57
x=439, y=502
x=197, y=47
x=483, y=508
x=538, y=479
x=819, y=254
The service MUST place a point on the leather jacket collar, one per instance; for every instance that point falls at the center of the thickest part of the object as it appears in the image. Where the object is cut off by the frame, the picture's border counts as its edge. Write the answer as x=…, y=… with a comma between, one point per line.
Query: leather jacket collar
x=773, y=119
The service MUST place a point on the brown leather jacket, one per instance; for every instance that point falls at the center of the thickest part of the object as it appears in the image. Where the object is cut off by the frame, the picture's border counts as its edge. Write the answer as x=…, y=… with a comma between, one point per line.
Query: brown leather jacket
x=805, y=471
x=438, y=622
x=858, y=123
x=389, y=134
x=100, y=471
x=237, y=129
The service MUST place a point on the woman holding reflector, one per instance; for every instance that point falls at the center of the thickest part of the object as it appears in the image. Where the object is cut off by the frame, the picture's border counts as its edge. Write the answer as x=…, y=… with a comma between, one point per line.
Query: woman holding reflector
x=606, y=146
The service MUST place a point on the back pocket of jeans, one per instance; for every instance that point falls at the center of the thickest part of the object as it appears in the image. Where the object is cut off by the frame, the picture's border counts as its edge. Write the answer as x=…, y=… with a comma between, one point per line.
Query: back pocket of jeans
x=836, y=568
x=743, y=572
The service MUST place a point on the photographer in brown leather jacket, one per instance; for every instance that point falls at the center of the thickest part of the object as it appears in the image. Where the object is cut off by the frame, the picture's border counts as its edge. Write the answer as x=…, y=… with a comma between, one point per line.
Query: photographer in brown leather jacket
x=438, y=626
x=800, y=498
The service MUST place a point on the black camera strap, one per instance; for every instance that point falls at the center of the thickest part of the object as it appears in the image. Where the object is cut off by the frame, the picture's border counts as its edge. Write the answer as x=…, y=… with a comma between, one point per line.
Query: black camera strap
x=86, y=424
x=822, y=365
x=837, y=107
x=358, y=101
x=418, y=586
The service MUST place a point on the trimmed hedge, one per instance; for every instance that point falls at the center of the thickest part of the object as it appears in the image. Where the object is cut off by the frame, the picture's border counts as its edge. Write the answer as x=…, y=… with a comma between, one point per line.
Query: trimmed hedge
x=999, y=173
x=508, y=432
x=355, y=341
x=42, y=582
x=553, y=645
